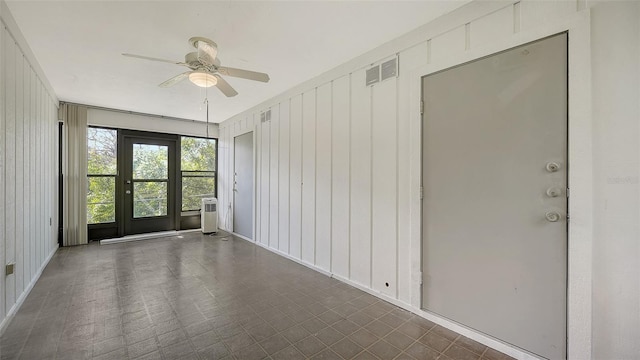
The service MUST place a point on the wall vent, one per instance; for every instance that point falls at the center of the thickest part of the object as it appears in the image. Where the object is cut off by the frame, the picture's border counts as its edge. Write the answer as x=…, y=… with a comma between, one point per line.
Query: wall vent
x=373, y=75
x=265, y=116
x=389, y=69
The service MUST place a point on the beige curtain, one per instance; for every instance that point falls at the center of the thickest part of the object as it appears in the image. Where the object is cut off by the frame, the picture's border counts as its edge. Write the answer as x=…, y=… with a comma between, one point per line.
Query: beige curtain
x=75, y=174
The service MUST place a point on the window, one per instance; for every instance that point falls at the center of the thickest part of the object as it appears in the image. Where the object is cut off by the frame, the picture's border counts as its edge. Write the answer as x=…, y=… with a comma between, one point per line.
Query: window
x=101, y=175
x=198, y=170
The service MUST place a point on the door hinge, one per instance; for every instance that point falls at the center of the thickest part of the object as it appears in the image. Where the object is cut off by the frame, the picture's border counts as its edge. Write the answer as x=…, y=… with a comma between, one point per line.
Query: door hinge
x=567, y=192
x=421, y=192
x=421, y=107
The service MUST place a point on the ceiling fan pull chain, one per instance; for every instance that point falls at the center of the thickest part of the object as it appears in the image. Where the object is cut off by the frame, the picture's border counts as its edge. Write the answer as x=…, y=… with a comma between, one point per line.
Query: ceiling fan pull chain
x=206, y=99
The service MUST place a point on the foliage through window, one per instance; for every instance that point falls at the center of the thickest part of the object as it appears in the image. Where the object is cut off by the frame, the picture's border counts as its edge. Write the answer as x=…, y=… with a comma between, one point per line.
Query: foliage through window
x=198, y=169
x=102, y=162
x=150, y=177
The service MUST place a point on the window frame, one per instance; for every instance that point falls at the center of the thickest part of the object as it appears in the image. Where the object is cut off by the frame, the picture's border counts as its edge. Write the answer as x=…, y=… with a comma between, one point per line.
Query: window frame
x=110, y=224
x=193, y=212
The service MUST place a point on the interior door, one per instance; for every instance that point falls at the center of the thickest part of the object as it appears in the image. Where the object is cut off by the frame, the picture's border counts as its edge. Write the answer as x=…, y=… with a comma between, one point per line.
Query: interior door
x=495, y=204
x=149, y=185
x=243, y=185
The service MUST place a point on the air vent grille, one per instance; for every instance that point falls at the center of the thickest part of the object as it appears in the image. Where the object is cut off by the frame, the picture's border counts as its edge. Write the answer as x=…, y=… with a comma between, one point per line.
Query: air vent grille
x=373, y=75
x=389, y=69
x=265, y=116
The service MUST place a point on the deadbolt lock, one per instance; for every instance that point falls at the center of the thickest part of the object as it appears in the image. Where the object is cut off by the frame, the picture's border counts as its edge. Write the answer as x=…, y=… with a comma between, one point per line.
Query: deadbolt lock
x=553, y=167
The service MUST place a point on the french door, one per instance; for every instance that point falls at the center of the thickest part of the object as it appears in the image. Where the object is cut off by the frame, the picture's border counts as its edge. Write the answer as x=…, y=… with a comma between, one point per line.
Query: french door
x=148, y=184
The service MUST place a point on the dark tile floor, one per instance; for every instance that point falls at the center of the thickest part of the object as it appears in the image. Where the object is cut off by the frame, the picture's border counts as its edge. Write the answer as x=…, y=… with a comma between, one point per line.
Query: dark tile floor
x=203, y=297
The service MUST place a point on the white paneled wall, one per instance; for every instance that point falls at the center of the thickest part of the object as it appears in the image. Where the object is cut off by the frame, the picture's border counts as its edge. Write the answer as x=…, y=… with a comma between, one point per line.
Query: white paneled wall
x=28, y=172
x=333, y=163
x=336, y=183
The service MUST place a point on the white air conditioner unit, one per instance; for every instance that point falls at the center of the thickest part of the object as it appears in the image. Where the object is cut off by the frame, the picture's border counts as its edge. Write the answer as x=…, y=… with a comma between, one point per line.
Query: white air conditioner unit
x=209, y=215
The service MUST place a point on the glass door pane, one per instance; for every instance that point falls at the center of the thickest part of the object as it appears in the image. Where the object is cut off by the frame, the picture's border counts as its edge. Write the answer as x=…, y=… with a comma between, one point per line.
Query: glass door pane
x=149, y=199
x=150, y=177
x=150, y=162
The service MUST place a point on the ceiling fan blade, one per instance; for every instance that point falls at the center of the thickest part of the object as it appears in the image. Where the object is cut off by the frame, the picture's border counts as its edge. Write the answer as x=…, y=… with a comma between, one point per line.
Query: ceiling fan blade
x=176, y=79
x=154, y=59
x=224, y=86
x=245, y=74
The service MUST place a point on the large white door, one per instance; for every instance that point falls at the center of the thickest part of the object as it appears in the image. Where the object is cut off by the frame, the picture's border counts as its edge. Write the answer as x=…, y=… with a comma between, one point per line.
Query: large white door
x=495, y=204
x=243, y=185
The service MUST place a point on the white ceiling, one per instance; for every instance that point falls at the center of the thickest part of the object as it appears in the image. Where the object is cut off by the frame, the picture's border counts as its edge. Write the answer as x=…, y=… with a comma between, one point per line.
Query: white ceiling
x=79, y=44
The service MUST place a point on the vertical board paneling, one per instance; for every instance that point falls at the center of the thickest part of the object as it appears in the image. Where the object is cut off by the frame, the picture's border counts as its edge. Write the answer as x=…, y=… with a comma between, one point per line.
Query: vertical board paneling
x=273, y=177
x=295, y=197
x=33, y=175
x=19, y=285
x=4, y=38
x=323, y=177
x=27, y=162
x=340, y=175
x=26, y=170
x=38, y=171
x=265, y=160
x=257, y=211
x=50, y=163
x=283, y=177
x=222, y=179
x=409, y=59
x=308, y=176
x=229, y=169
x=360, y=232
x=10, y=50
x=230, y=177
x=384, y=189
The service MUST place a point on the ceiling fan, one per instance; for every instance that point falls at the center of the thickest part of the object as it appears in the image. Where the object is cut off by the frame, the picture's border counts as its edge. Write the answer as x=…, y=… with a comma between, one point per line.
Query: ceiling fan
x=205, y=68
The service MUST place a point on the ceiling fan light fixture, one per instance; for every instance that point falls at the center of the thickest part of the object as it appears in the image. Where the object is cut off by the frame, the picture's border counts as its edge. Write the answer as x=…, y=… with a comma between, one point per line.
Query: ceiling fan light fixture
x=203, y=79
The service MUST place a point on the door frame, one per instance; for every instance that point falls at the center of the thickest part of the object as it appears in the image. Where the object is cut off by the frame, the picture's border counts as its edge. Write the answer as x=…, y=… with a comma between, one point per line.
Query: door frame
x=122, y=162
x=580, y=203
x=232, y=197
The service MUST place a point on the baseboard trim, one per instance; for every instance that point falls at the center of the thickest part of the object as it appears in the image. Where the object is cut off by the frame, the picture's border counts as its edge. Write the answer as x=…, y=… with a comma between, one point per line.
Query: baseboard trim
x=139, y=237
x=14, y=309
x=189, y=231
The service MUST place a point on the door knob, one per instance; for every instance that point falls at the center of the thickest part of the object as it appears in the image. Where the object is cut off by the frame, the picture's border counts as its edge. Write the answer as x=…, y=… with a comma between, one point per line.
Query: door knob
x=552, y=216
x=128, y=192
x=552, y=166
x=554, y=192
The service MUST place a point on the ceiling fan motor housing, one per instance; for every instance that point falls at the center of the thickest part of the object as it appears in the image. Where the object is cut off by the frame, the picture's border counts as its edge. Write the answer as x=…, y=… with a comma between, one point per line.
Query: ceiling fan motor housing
x=192, y=60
